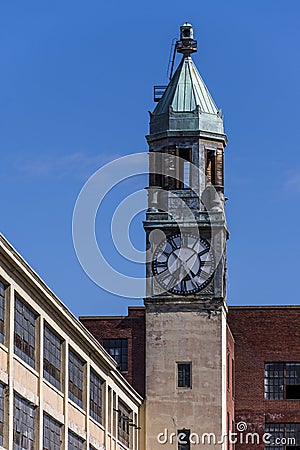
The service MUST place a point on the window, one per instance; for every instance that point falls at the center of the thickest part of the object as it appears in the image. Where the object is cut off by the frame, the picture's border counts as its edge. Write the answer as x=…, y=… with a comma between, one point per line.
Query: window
x=96, y=397
x=118, y=349
x=2, y=312
x=183, y=437
x=2, y=391
x=184, y=176
x=210, y=171
x=52, y=357
x=282, y=381
x=292, y=380
x=74, y=442
x=184, y=375
x=24, y=336
x=24, y=418
x=284, y=436
x=51, y=434
x=75, y=378
x=124, y=418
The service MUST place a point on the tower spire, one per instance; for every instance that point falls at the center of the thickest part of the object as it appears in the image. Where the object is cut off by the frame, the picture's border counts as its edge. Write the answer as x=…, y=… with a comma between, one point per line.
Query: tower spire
x=186, y=104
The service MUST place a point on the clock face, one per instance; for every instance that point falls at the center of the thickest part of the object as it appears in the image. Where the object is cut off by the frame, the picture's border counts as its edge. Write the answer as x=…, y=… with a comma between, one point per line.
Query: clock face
x=183, y=264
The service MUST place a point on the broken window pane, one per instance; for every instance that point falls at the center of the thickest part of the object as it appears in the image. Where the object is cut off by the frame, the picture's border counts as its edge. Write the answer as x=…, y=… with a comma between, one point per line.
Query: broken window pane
x=24, y=418
x=51, y=434
x=75, y=442
x=52, y=357
x=2, y=311
x=124, y=419
x=96, y=397
x=2, y=391
x=24, y=335
x=75, y=378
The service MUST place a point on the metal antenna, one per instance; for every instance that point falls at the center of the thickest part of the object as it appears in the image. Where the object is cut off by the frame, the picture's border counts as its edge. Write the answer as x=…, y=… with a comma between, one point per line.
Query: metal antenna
x=172, y=58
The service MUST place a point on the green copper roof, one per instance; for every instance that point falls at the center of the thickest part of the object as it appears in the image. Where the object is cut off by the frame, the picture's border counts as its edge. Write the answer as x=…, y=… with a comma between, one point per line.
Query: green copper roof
x=186, y=91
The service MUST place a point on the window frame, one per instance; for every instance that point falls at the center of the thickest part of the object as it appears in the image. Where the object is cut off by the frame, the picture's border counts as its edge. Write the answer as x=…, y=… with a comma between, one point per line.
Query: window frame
x=3, y=309
x=23, y=426
x=185, y=155
x=2, y=413
x=19, y=335
x=285, y=428
x=50, y=440
x=275, y=386
x=56, y=382
x=76, y=437
x=98, y=417
x=184, y=385
x=122, y=359
x=124, y=419
x=77, y=398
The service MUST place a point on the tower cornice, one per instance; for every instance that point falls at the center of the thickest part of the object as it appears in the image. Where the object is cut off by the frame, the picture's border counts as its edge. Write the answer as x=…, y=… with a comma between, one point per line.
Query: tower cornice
x=208, y=135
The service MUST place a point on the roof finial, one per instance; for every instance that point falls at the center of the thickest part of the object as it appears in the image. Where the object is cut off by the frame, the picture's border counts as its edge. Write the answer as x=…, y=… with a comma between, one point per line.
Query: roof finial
x=187, y=44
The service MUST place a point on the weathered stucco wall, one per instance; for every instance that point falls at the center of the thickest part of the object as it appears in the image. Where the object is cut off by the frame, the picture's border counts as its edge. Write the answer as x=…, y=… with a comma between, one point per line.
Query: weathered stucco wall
x=194, y=337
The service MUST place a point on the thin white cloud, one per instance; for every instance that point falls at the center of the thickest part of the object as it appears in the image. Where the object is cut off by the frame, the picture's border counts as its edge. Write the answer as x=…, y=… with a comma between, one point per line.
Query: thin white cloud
x=293, y=182
x=77, y=164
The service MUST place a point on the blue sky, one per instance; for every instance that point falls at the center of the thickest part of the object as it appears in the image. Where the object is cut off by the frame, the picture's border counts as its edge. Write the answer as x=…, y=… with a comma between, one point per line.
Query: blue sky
x=76, y=86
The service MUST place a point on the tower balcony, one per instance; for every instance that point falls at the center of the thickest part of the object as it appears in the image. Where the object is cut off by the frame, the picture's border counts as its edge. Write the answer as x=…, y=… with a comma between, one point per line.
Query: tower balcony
x=182, y=206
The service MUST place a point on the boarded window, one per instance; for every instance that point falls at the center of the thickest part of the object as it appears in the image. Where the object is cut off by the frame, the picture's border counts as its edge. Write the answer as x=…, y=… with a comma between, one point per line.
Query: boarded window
x=51, y=434
x=24, y=336
x=75, y=378
x=24, y=418
x=52, y=357
x=96, y=397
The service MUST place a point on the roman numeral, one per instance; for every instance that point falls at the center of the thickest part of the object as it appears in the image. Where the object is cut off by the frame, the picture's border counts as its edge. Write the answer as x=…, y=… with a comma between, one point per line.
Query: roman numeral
x=161, y=263
x=183, y=285
x=206, y=250
x=205, y=263
x=172, y=243
x=163, y=278
x=185, y=240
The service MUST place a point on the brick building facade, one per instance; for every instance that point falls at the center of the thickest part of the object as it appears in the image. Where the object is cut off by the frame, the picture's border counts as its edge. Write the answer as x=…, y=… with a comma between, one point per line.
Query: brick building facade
x=256, y=337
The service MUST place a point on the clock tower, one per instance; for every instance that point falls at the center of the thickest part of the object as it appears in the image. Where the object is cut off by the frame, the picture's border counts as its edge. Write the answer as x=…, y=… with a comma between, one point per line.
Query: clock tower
x=186, y=233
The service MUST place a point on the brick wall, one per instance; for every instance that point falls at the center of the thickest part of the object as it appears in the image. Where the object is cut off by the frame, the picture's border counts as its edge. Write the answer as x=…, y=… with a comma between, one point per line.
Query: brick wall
x=131, y=327
x=230, y=378
x=263, y=334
